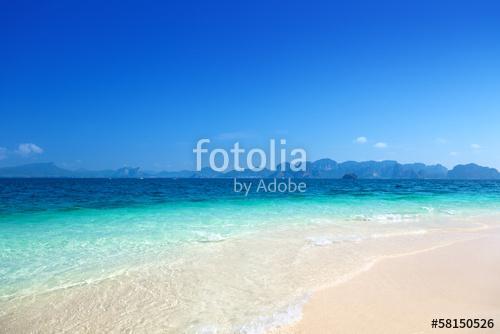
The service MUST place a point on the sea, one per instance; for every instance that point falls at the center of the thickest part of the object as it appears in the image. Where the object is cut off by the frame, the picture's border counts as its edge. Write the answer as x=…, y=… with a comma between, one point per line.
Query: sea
x=193, y=256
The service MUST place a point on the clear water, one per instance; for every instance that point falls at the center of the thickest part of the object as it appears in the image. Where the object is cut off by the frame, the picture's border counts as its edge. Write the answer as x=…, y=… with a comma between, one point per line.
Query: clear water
x=59, y=233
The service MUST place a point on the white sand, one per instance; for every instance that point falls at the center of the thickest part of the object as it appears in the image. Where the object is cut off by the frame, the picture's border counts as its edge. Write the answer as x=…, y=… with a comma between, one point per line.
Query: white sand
x=403, y=294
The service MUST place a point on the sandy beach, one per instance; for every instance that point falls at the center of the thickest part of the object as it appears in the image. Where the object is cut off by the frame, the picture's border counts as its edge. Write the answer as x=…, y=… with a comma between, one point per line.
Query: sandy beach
x=387, y=283
x=352, y=276
x=402, y=294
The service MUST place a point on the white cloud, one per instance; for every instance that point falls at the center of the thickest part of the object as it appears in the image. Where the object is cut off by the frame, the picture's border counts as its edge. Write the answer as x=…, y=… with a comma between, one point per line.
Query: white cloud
x=453, y=154
x=360, y=140
x=28, y=149
x=441, y=141
x=475, y=146
x=380, y=145
x=3, y=153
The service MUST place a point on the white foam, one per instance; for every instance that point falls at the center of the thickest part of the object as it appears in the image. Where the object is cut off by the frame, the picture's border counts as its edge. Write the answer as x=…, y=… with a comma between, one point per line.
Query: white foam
x=398, y=234
x=320, y=241
x=361, y=218
x=263, y=324
x=394, y=218
x=428, y=208
x=323, y=240
x=209, y=237
x=388, y=217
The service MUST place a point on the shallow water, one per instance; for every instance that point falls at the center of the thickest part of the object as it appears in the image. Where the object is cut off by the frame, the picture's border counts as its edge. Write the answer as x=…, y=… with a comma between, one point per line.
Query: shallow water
x=193, y=256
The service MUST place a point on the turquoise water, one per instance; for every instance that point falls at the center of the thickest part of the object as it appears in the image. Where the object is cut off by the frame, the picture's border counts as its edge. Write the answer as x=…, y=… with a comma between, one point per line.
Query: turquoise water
x=57, y=233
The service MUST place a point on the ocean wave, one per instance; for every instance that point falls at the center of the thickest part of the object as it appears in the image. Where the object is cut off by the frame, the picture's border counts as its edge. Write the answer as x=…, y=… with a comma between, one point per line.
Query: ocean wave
x=286, y=316
x=265, y=323
x=320, y=241
x=328, y=240
x=387, y=218
x=395, y=218
x=429, y=209
x=208, y=237
x=398, y=234
x=362, y=218
x=325, y=240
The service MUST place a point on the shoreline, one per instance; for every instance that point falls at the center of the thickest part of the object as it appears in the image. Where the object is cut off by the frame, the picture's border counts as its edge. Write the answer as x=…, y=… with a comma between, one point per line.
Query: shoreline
x=321, y=263
x=402, y=293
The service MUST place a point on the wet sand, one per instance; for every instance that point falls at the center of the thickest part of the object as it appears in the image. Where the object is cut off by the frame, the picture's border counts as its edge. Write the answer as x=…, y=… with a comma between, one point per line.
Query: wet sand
x=254, y=283
x=402, y=294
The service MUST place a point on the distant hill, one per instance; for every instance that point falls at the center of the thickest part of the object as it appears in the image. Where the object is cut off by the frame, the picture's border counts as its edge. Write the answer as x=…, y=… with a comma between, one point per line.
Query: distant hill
x=473, y=172
x=330, y=169
x=49, y=169
x=324, y=168
x=35, y=170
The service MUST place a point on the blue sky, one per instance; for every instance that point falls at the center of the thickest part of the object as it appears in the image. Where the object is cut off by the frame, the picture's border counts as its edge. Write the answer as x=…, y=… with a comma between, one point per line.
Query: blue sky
x=111, y=83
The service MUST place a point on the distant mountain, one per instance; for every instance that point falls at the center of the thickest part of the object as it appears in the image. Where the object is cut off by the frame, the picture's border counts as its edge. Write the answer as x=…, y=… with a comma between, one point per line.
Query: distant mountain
x=473, y=172
x=330, y=169
x=49, y=169
x=35, y=170
x=324, y=168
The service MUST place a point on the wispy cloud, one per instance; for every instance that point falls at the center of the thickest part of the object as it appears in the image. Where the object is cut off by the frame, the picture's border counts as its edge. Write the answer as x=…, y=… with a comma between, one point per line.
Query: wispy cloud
x=360, y=140
x=3, y=153
x=28, y=149
x=380, y=145
x=475, y=146
x=453, y=154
